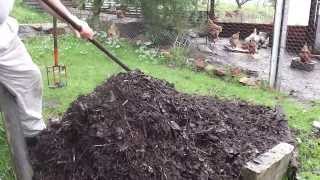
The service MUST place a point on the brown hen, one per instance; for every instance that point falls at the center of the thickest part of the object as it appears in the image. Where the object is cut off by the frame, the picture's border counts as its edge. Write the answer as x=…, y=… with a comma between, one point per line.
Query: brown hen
x=213, y=30
x=234, y=40
x=305, y=54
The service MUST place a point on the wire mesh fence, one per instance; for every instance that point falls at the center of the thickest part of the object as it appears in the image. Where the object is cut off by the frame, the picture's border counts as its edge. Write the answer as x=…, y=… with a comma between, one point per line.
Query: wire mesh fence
x=235, y=37
x=257, y=14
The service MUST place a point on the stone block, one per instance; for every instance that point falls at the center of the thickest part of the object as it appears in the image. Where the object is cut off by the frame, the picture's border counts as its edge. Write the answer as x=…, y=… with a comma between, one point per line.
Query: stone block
x=316, y=125
x=271, y=165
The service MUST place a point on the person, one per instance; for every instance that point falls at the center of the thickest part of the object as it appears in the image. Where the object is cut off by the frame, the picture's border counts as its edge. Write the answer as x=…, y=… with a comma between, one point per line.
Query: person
x=20, y=76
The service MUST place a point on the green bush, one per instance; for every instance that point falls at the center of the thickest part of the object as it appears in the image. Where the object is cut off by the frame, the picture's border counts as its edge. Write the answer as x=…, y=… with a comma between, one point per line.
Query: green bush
x=179, y=57
x=165, y=18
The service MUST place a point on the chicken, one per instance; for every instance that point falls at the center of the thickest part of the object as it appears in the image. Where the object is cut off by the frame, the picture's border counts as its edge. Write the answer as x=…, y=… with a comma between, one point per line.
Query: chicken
x=265, y=43
x=231, y=14
x=235, y=71
x=261, y=39
x=120, y=14
x=234, y=40
x=305, y=54
x=200, y=63
x=113, y=31
x=120, y=11
x=253, y=36
x=252, y=47
x=213, y=30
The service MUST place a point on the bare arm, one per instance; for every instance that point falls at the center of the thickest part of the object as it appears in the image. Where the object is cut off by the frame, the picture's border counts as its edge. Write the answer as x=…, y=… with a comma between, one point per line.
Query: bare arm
x=86, y=32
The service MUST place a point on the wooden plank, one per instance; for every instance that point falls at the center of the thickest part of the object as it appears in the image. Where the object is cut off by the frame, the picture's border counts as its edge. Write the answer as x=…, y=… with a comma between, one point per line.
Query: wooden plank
x=236, y=50
x=19, y=155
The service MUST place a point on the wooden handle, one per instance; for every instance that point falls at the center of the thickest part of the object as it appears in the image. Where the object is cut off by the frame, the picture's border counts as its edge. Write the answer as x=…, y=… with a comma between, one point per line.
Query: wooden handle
x=63, y=15
x=55, y=42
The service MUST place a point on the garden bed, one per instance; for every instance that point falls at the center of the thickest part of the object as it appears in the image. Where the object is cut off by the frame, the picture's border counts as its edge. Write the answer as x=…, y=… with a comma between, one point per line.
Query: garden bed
x=137, y=127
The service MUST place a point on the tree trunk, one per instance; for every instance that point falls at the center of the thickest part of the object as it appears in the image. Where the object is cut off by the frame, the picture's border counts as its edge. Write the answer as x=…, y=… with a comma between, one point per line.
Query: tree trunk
x=96, y=10
x=239, y=4
x=211, y=13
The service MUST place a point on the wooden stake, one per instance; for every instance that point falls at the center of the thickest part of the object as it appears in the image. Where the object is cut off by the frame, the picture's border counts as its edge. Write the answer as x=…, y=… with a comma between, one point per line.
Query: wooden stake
x=19, y=155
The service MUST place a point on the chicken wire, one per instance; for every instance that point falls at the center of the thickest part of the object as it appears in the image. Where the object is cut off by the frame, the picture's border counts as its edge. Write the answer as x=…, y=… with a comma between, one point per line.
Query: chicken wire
x=246, y=19
x=255, y=15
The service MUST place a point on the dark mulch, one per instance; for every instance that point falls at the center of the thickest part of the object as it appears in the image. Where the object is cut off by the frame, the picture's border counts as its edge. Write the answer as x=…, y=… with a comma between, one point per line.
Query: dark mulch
x=135, y=127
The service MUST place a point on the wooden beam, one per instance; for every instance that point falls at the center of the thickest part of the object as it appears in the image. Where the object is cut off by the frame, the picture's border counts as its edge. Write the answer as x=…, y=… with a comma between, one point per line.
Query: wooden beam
x=19, y=155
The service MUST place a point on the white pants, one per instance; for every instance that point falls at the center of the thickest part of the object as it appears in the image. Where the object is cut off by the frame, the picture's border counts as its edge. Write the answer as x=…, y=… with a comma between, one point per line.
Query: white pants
x=22, y=78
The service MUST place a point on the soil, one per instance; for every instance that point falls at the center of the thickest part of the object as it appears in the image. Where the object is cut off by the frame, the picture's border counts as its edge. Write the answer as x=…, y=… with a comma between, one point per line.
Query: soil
x=135, y=127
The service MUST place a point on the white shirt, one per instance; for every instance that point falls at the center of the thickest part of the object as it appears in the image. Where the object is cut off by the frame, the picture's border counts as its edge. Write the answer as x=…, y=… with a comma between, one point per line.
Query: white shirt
x=8, y=26
x=5, y=8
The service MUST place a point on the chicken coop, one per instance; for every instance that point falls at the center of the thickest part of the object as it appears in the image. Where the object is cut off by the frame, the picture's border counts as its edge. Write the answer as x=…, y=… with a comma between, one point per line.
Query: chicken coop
x=274, y=42
x=278, y=40
x=302, y=20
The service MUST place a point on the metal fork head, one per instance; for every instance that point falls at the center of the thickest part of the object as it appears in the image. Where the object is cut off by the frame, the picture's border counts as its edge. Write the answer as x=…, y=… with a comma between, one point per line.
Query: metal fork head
x=57, y=76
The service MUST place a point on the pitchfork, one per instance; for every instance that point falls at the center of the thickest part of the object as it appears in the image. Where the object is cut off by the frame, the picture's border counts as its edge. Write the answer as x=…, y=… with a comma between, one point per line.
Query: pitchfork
x=79, y=28
x=56, y=74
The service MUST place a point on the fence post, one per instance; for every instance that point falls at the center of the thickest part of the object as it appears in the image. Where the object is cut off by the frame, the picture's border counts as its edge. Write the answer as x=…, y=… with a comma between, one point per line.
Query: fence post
x=210, y=8
x=317, y=30
x=279, y=42
x=17, y=146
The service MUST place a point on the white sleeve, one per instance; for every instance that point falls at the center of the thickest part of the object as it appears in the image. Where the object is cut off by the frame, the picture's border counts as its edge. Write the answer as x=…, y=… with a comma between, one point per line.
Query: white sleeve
x=5, y=8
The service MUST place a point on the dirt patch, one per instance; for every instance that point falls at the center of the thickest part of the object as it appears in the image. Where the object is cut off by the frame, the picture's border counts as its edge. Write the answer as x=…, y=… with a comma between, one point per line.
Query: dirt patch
x=138, y=127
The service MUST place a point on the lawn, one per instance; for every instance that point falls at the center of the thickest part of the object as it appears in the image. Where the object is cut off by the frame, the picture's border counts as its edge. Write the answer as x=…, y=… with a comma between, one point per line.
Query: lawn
x=26, y=15
x=87, y=68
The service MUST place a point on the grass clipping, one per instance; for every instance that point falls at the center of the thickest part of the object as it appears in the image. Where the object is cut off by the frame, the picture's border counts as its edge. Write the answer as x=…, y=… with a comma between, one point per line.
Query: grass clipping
x=135, y=127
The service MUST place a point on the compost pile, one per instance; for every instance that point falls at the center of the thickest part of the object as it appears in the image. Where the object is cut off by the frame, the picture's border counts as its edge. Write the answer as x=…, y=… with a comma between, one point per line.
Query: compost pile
x=135, y=127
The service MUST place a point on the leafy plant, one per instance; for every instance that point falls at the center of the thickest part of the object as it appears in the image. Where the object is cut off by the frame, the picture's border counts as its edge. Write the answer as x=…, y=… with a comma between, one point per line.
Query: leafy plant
x=146, y=53
x=179, y=57
x=112, y=42
x=165, y=18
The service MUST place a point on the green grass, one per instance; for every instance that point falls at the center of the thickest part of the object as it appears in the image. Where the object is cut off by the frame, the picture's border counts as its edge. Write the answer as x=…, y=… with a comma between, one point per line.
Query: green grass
x=28, y=15
x=87, y=68
x=253, y=13
x=5, y=166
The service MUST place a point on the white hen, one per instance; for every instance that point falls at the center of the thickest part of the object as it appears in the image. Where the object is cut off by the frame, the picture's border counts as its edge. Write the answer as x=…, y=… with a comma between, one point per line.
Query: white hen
x=253, y=36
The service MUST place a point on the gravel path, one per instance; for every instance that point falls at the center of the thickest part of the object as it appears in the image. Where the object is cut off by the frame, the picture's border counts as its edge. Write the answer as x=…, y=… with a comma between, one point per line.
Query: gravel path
x=300, y=84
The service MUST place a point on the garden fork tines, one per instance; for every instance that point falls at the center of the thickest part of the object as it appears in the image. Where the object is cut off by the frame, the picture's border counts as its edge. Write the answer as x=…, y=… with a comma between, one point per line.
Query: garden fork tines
x=56, y=74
